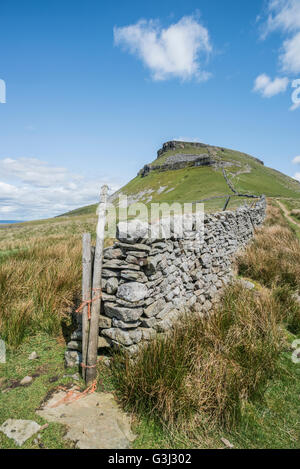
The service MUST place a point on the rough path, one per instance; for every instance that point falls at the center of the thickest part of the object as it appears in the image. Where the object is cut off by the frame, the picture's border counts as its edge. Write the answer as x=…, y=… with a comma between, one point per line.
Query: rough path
x=94, y=421
x=287, y=213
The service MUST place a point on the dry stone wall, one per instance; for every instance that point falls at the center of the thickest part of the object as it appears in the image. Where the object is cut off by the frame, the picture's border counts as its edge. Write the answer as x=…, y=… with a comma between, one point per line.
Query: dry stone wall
x=148, y=283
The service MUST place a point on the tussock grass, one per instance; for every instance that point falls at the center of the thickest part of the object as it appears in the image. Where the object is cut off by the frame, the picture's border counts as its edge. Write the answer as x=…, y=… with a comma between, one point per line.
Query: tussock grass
x=38, y=287
x=273, y=258
x=205, y=368
x=206, y=371
x=295, y=213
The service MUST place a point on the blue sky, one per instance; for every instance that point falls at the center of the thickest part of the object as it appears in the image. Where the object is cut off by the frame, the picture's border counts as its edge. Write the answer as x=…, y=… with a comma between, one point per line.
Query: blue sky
x=94, y=88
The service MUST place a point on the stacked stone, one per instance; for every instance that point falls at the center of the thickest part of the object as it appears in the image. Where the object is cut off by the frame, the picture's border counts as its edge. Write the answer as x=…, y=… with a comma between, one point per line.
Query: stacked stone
x=149, y=283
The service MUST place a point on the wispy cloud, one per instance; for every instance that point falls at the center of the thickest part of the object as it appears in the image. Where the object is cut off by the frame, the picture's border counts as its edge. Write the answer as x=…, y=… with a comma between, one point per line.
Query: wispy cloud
x=296, y=160
x=284, y=16
x=268, y=87
x=297, y=176
x=177, y=51
x=31, y=189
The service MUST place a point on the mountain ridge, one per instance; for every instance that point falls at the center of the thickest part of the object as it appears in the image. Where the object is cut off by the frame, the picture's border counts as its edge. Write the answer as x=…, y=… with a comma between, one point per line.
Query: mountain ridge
x=195, y=171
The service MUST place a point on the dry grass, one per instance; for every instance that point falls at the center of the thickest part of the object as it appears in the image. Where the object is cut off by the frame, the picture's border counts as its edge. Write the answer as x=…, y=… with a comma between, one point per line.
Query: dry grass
x=273, y=258
x=40, y=275
x=38, y=287
x=206, y=369
x=40, y=271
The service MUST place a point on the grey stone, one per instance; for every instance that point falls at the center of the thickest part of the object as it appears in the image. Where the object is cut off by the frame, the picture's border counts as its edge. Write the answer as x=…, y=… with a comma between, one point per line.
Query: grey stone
x=120, y=265
x=128, y=304
x=138, y=254
x=133, y=231
x=113, y=253
x=107, y=297
x=167, y=323
x=103, y=342
x=74, y=345
x=124, y=337
x=19, y=430
x=33, y=356
x=148, y=333
x=72, y=358
x=112, y=285
x=155, y=308
x=152, y=262
x=148, y=322
x=134, y=276
x=26, y=380
x=132, y=291
x=125, y=325
x=95, y=422
x=76, y=335
x=247, y=284
x=104, y=322
x=135, y=247
x=125, y=314
x=132, y=350
x=162, y=314
x=109, y=273
x=119, y=336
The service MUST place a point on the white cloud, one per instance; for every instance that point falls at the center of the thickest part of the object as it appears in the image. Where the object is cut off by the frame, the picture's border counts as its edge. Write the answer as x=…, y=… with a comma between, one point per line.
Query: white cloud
x=172, y=52
x=296, y=160
x=284, y=16
x=34, y=189
x=268, y=88
x=290, y=58
x=297, y=176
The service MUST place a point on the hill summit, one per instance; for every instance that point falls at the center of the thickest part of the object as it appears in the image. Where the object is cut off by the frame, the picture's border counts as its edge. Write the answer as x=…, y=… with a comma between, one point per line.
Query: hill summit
x=194, y=171
x=197, y=172
x=177, y=155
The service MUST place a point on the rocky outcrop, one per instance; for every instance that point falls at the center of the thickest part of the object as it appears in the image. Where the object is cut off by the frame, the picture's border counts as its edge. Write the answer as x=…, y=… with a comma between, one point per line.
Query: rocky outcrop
x=181, y=160
x=149, y=283
x=177, y=145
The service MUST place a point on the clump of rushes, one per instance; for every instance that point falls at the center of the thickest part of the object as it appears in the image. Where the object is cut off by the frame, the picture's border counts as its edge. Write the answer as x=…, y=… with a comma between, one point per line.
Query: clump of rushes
x=289, y=305
x=38, y=288
x=205, y=369
x=273, y=258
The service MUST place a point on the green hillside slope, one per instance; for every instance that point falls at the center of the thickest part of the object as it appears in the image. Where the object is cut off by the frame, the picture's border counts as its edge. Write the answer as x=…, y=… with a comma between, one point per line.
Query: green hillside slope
x=246, y=174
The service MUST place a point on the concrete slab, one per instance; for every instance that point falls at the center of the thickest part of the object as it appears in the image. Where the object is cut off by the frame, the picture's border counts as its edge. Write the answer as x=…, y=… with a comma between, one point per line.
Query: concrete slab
x=19, y=430
x=94, y=421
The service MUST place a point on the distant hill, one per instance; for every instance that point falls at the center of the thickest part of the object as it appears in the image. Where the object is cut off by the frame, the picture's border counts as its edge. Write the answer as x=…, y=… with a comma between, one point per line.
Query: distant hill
x=190, y=172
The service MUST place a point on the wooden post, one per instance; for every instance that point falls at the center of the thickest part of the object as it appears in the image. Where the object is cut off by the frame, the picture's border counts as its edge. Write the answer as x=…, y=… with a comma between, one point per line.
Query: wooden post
x=226, y=204
x=86, y=293
x=90, y=374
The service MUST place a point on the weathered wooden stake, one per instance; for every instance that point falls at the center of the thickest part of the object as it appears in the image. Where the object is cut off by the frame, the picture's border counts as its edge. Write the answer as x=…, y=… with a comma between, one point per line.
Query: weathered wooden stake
x=86, y=293
x=226, y=204
x=96, y=291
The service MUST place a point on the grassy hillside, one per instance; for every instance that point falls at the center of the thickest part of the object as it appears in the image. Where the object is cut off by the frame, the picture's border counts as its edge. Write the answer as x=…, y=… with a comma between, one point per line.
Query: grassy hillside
x=246, y=174
x=46, y=253
x=40, y=282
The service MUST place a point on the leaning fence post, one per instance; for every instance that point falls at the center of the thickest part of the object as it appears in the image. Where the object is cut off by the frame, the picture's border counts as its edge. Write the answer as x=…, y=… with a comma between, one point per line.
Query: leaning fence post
x=226, y=204
x=86, y=293
x=96, y=291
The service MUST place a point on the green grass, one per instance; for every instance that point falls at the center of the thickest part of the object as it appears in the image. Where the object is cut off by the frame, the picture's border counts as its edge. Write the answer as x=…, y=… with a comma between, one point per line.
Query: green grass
x=269, y=422
x=22, y=402
x=272, y=421
x=195, y=183
x=189, y=184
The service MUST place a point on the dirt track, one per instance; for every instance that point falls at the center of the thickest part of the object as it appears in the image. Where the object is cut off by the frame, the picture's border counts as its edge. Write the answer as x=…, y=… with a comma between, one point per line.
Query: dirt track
x=287, y=214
